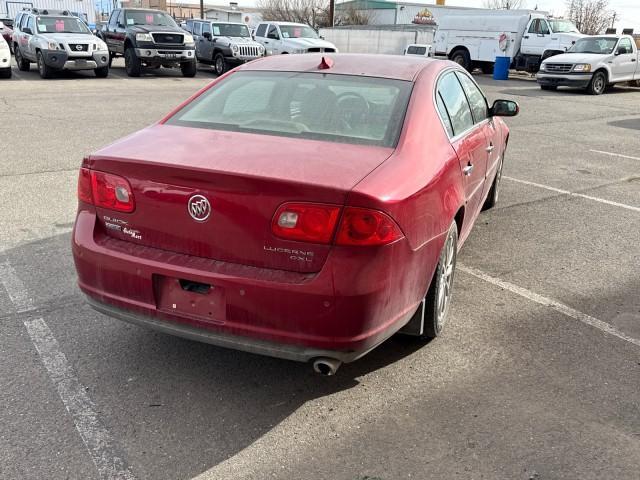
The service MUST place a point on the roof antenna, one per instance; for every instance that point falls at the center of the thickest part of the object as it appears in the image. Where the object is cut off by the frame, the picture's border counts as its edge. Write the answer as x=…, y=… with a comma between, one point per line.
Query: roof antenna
x=325, y=63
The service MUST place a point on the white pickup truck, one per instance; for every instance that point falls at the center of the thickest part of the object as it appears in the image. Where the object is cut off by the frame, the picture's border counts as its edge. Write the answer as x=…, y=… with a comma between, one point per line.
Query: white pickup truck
x=476, y=39
x=592, y=63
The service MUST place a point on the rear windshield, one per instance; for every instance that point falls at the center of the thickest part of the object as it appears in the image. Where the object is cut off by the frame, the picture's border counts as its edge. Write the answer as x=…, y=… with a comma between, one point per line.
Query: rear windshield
x=335, y=108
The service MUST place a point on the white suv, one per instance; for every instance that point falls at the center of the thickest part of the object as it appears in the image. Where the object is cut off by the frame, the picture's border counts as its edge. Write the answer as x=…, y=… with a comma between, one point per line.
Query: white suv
x=5, y=59
x=287, y=37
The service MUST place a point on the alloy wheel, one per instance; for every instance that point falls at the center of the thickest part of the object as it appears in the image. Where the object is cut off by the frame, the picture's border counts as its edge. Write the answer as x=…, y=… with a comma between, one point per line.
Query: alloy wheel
x=445, y=282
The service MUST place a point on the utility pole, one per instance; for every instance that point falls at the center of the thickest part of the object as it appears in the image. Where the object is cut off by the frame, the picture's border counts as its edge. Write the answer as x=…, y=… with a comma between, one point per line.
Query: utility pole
x=613, y=20
x=332, y=7
x=202, y=9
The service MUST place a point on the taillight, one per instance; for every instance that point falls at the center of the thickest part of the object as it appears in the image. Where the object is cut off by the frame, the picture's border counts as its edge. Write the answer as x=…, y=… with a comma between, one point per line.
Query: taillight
x=305, y=222
x=105, y=190
x=362, y=226
x=84, y=186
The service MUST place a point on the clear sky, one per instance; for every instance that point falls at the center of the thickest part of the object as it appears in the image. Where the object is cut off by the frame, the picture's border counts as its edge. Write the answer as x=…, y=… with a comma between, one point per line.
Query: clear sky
x=628, y=11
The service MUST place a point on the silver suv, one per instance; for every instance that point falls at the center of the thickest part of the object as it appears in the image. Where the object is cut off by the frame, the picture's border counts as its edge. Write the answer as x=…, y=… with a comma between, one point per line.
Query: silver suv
x=57, y=40
x=223, y=44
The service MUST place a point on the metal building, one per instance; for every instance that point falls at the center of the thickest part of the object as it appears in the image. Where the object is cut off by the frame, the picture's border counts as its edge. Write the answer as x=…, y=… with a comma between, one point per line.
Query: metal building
x=84, y=9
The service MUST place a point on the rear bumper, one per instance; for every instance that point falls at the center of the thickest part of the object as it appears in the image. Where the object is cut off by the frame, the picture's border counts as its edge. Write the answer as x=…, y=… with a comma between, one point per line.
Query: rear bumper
x=345, y=310
x=564, y=80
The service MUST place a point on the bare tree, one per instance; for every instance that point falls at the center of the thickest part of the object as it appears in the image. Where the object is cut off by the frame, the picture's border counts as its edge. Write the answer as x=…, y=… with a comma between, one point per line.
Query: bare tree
x=505, y=4
x=352, y=16
x=311, y=12
x=590, y=16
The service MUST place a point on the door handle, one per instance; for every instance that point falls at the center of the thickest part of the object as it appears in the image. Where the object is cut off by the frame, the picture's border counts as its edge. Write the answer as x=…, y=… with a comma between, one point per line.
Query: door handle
x=490, y=148
x=468, y=169
x=633, y=59
x=526, y=36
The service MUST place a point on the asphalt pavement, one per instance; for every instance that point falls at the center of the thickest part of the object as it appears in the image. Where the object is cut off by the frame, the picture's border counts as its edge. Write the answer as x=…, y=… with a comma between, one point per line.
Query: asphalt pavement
x=536, y=377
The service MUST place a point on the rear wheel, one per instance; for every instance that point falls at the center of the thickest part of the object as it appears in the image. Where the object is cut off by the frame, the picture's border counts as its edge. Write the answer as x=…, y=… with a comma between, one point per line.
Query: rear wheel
x=23, y=65
x=132, y=63
x=219, y=64
x=598, y=84
x=462, y=57
x=44, y=70
x=188, y=69
x=438, y=297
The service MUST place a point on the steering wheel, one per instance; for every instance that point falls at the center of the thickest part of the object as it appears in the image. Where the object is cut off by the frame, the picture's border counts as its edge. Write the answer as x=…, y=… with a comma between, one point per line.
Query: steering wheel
x=353, y=107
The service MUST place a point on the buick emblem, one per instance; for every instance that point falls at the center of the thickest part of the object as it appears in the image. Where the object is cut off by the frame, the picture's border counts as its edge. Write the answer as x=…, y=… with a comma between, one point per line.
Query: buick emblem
x=78, y=47
x=199, y=208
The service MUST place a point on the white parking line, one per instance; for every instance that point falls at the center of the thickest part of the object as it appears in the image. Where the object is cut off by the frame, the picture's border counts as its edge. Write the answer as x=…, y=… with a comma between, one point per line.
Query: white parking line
x=611, y=154
x=573, y=194
x=73, y=394
x=548, y=302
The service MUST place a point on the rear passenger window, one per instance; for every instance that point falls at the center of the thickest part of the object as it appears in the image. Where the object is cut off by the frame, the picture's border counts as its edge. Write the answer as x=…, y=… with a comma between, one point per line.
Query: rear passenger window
x=444, y=115
x=262, y=30
x=475, y=97
x=197, y=28
x=456, y=103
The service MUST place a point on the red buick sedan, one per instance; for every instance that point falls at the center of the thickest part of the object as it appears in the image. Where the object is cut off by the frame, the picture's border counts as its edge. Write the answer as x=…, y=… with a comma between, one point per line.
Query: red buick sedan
x=300, y=206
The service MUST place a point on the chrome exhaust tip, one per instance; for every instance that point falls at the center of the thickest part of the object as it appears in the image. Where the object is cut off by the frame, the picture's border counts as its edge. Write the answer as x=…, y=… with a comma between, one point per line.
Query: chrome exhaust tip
x=326, y=366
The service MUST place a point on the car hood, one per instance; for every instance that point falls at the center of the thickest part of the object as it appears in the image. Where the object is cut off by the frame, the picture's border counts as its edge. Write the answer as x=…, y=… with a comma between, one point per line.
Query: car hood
x=577, y=58
x=241, y=40
x=155, y=28
x=308, y=42
x=71, y=37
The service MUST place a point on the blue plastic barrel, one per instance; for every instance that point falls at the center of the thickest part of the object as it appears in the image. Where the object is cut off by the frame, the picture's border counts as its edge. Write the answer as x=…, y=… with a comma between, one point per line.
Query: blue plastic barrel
x=501, y=68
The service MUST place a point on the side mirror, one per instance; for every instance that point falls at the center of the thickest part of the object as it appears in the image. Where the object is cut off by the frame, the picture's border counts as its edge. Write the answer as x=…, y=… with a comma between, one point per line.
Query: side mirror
x=207, y=35
x=504, y=108
x=27, y=30
x=621, y=51
x=321, y=37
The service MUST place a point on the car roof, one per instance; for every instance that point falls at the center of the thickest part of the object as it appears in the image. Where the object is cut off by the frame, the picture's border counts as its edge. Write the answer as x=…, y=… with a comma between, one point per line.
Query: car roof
x=398, y=67
x=288, y=23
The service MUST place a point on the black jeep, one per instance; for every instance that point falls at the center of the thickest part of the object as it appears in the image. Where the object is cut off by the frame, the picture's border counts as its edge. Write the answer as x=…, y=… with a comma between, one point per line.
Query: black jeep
x=149, y=38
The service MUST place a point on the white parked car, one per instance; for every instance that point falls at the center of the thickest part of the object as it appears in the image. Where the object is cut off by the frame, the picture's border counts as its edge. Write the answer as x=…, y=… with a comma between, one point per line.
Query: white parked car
x=5, y=59
x=287, y=37
x=593, y=63
x=418, y=49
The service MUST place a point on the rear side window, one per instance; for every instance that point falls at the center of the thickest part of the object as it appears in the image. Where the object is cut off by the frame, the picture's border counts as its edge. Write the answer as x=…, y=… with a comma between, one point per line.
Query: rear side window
x=475, y=97
x=456, y=103
x=262, y=28
x=444, y=115
x=334, y=108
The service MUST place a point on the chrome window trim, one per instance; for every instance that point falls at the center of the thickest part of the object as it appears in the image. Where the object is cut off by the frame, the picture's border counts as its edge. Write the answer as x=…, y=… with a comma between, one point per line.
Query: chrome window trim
x=457, y=137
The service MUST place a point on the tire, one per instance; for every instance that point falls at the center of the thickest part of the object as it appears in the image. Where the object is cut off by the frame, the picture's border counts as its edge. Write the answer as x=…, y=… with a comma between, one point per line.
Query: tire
x=5, y=73
x=440, y=290
x=492, y=197
x=634, y=83
x=487, y=68
x=110, y=59
x=23, y=65
x=102, y=72
x=132, y=63
x=548, y=87
x=219, y=64
x=462, y=57
x=188, y=69
x=598, y=84
x=44, y=70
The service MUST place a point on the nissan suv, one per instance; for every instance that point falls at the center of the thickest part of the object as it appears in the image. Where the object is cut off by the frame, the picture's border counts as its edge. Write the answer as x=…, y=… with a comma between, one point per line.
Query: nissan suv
x=223, y=44
x=149, y=38
x=56, y=40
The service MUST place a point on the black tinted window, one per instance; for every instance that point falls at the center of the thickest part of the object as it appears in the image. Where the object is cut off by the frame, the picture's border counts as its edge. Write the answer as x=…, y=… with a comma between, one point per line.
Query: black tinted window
x=475, y=97
x=413, y=50
x=273, y=32
x=456, y=102
x=262, y=28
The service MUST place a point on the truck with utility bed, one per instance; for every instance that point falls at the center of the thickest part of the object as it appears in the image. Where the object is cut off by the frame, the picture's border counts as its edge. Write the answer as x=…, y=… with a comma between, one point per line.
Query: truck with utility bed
x=476, y=39
x=149, y=38
x=593, y=63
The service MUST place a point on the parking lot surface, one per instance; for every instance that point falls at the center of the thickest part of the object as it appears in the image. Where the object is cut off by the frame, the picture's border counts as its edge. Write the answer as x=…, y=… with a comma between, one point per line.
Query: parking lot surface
x=537, y=375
